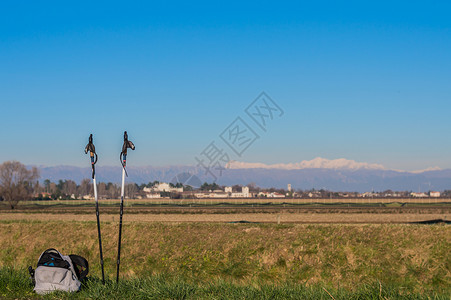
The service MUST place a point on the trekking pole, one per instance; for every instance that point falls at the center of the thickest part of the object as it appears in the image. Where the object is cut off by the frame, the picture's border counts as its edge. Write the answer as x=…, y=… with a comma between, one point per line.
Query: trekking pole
x=123, y=157
x=92, y=152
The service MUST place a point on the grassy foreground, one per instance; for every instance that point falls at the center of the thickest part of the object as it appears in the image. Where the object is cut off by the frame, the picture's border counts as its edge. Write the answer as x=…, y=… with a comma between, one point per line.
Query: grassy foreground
x=199, y=260
x=14, y=284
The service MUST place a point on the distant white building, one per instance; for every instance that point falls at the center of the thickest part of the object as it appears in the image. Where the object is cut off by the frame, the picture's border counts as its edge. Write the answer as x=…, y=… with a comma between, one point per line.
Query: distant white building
x=434, y=194
x=154, y=192
x=289, y=187
x=227, y=193
x=165, y=187
x=314, y=194
x=220, y=194
x=276, y=195
x=244, y=193
x=153, y=195
x=418, y=195
x=271, y=195
x=201, y=195
x=369, y=194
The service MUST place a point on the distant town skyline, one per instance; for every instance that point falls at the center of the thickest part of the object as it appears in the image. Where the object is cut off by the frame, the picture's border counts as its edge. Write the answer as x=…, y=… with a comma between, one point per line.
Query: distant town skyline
x=354, y=80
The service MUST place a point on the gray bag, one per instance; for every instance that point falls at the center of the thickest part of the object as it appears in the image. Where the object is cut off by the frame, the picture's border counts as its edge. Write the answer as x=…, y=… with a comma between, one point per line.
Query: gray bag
x=57, y=272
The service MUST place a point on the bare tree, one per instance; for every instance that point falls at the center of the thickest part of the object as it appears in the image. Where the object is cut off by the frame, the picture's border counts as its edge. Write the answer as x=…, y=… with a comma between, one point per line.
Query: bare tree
x=113, y=191
x=101, y=190
x=16, y=182
x=52, y=188
x=69, y=187
x=38, y=188
x=85, y=187
x=130, y=190
x=253, y=187
x=47, y=185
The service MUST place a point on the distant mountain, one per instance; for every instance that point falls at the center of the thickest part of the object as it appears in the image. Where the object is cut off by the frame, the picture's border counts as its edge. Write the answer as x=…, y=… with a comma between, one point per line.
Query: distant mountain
x=337, y=175
x=341, y=180
x=317, y=163
x=113, y=174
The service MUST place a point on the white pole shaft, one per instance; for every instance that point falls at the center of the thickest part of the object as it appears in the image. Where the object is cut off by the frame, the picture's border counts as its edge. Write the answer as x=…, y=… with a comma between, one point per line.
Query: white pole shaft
x=120, y=225
x=95, y=188
x=123, y=185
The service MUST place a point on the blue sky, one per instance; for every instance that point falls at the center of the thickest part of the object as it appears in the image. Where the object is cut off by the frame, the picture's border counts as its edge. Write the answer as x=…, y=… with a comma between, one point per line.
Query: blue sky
x=362, y=81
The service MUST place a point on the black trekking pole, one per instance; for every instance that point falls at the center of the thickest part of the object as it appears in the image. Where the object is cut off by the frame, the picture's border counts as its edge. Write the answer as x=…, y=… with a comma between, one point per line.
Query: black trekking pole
x=92, y=152
x=123, y=157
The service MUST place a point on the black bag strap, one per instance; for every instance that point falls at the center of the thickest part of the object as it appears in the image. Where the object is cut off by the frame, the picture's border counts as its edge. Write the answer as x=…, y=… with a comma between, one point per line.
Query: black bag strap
x=81, y=266
x=50, y=251
x=31, y=271
x=52, y=258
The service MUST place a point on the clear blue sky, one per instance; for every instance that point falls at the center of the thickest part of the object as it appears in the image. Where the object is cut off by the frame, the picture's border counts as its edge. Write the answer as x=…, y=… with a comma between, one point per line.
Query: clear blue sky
x=363, y=81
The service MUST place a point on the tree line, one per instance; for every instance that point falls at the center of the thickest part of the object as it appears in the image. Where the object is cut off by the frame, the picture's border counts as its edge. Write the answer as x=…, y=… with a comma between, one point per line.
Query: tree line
x=17, y=183
x=69, y=189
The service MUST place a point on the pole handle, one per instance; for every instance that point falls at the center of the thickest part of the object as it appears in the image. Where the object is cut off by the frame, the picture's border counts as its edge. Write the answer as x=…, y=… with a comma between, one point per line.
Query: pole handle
x=123, y=156
x=92, y=153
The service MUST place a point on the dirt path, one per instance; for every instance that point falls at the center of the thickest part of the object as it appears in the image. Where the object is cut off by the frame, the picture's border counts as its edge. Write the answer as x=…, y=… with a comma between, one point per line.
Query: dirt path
x=222, y=218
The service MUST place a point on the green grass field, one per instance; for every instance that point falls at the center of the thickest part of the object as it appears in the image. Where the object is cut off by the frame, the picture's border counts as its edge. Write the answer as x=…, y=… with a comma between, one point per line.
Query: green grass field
x=250, y=202
x=202, y=260
x=14, y=284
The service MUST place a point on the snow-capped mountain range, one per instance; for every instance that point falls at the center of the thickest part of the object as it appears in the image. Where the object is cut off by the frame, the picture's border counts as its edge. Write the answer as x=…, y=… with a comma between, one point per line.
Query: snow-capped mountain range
x=317, y=163
x=337, y=174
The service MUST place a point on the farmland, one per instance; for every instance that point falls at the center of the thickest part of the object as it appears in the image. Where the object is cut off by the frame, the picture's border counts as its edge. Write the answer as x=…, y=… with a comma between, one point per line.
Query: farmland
x=216, y=210
x=338, y=250
x=339, y=254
